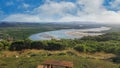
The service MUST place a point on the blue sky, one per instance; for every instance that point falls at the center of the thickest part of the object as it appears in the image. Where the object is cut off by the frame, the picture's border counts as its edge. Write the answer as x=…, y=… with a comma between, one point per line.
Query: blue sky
x=17, y=6
x=103, y=11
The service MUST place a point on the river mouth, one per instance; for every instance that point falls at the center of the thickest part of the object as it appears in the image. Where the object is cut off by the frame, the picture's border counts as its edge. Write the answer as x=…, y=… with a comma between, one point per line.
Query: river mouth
x=69, y=33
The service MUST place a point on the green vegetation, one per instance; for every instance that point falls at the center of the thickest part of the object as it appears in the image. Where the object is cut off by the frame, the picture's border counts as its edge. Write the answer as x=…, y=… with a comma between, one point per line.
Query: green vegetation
x=21, y=31
x=89, y=52
x=86, y=45
x=32, y=62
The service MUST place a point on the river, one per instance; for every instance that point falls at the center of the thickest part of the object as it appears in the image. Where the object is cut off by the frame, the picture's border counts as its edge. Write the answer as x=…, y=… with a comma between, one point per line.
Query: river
x=69, y=33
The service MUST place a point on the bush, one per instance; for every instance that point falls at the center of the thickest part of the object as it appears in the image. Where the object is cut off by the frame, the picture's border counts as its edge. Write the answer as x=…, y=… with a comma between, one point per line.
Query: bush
x=55, y=46
x=1, y=46
x=38, y=45
x=84, y=48
x=17, y=46
x=80, y=48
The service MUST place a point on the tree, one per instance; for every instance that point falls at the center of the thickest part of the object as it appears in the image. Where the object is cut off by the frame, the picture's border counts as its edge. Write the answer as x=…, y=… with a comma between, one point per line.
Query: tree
x=80, y=47
x=55, y=46
x=38, y=45
x=17, y=46
x=6, y=44
x=1, y=46
x=27, y=43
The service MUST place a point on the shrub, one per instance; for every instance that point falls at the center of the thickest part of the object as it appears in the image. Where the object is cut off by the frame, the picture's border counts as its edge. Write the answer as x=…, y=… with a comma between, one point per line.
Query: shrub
x=55, y=46
x=17, y=46
x=80, y=48
x=38, y=45
x=1, y=46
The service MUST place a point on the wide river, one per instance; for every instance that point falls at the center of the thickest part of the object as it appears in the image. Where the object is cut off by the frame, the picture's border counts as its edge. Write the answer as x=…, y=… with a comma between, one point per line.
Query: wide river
x=69, y=33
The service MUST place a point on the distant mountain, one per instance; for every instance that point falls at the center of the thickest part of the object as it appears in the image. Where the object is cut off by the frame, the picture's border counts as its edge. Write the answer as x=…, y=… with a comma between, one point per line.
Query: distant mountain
x=15, y=24
x=74, y=23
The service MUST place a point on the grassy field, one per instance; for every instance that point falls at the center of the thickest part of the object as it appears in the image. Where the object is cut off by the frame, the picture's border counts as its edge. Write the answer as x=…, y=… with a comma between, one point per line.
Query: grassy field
x=32, y=58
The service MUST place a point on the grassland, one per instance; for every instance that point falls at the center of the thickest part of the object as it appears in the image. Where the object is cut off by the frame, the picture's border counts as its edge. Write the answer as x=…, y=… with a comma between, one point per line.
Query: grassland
x=32, y=58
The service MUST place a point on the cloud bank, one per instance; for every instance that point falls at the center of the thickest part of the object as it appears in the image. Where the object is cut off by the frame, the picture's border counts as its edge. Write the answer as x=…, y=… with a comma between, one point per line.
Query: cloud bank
x=65, y=11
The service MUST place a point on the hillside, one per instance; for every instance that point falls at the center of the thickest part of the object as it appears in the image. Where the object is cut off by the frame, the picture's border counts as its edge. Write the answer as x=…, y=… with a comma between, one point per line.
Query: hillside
x=96, y=52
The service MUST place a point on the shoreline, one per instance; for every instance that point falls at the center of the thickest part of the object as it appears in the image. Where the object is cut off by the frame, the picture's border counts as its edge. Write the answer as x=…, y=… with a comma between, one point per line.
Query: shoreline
x=88, y=32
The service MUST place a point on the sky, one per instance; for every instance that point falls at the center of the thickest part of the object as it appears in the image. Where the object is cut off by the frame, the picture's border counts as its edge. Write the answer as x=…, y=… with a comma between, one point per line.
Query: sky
x=100, y=11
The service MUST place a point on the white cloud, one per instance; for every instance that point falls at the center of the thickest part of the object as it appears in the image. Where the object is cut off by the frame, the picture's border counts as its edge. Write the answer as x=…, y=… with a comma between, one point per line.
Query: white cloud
x=92, y=7
x=82, y=10
x=53, y=9
x=105, y=17
x=22, y=18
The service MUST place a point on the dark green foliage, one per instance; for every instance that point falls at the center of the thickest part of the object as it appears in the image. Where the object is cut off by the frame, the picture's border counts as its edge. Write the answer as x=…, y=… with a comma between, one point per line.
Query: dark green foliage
x=38, y=45
x=27, y=43
x=106, y=37
x=80, y=47
x=17, y=46
x=1, y=46
x=55, y=46
x=85, y=48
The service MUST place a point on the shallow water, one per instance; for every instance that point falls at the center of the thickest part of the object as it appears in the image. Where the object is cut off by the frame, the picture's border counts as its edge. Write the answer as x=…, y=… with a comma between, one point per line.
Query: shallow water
x=68, y=33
